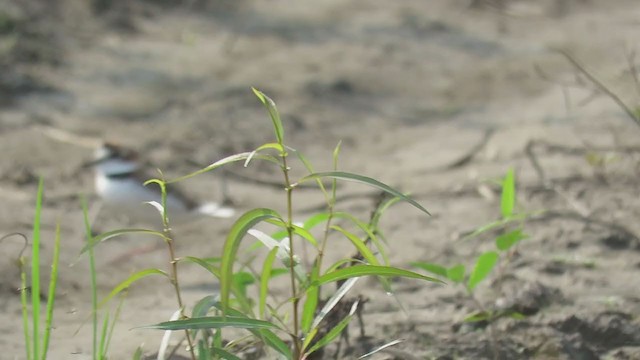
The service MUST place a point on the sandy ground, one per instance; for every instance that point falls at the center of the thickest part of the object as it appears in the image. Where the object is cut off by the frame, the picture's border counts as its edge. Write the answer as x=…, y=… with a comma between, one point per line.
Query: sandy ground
x=409, y=88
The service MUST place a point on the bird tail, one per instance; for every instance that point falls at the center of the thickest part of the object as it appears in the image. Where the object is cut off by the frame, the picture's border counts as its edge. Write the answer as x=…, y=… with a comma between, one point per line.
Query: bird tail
x=216, y=210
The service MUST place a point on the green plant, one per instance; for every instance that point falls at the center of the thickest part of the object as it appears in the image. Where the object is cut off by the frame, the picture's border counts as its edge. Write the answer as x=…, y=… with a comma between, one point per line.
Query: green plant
x=37, y=343
x=298, y=332
x=487, y=261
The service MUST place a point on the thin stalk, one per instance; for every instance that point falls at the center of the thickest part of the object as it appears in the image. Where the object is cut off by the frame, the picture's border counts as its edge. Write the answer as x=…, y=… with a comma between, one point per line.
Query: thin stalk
x=331, y=202
x=94, y=281
x=35, y=275
x=492, y=333
x=294, y=292
x=53, y=281
x=25, y=312
x=174, y=281
x=173, y=261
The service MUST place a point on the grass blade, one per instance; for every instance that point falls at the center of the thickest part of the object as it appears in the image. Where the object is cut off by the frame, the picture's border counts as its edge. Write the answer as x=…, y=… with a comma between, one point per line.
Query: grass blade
x=269, y=338
x=483, y=267
x=311, y=301
x=25, y=311
x=232, y=244
x=51, y=295
x=264, y=282
x=164, y=343
x=95, y=240
x=138, y=354
x=237, y=292
x=103, y=337
x=335, y=331
x=223, y=354
x=270, y=105
x=364, y=270
x=432, y=268
x=334, y=300
x=382, y=347
x=129, y=281
x=227, y=160
x=340, y=175
x=35, y=273
x=93, y=276
x=213, y=322
x=359, y=245
x=508, y=199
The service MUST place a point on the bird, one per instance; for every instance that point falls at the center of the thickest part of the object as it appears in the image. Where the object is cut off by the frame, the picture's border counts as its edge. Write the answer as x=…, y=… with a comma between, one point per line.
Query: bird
x=119, y=182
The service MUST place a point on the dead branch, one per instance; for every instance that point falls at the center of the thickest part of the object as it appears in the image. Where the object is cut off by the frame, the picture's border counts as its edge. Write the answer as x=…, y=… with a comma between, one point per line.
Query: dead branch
x=603, y=88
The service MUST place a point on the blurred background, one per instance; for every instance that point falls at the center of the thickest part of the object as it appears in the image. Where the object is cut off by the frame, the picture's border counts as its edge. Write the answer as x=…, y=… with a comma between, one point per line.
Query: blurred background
x=432, y=97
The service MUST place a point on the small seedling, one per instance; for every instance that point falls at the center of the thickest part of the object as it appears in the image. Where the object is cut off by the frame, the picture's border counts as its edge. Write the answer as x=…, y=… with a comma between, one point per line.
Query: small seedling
x=487, y=261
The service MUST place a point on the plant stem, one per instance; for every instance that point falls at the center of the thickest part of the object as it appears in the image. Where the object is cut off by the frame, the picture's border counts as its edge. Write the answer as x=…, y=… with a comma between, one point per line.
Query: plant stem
x=294, y=291
x=174, y=281
x=492, y=333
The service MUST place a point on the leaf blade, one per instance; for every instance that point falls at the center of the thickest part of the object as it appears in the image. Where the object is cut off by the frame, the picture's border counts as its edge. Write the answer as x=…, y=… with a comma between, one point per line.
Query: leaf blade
x=365, y=180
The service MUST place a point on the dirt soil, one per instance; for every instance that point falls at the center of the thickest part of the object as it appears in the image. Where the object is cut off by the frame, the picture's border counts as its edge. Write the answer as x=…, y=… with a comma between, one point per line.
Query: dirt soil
x=437, y=98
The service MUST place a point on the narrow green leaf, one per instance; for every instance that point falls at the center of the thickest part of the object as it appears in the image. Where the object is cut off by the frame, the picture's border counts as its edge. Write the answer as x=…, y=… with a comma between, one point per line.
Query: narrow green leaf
x=432, y=268
x=270, y=105
x=298, y=230
x=320, y=218
x=365, y=270
x=116, y=317
x=227, y=160
x=380, y=348
x=359, y=245
x=138, y=354
x=273, y=341
x=330, y=336
x=25, y=312
x=365, y=252
x=308, y=338
x=223, y=354
x=92, y=275
x=311, y=302
x=35, y=273
x=506, y=241
x=477, y=317
x=203, y=306
x=51, y=295
x=232, y=244
x=115, y=233
x=513, y=218
x=456, y=273
x=103, y=337
x=215, y=271
x=333, y=301
x=365, y=180
x=265, y=276
x=274, y=146
x=213, y=322
x=382, y=208
x=516, y=315
x=508, y=199
x=336, y=153
x=334, y=332
x=242, y=280
x=203, y=351
x=484, y=265
x=129, y=281
x=307, y=164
